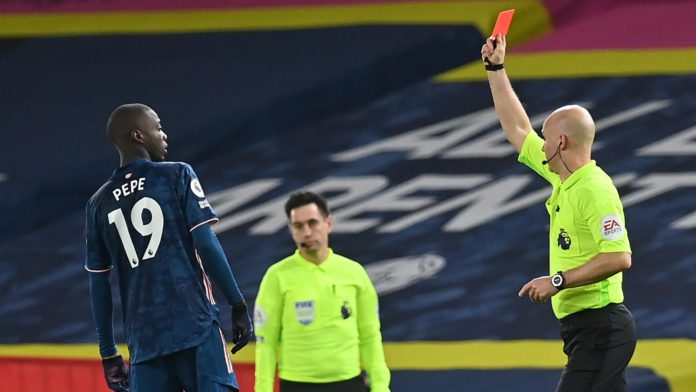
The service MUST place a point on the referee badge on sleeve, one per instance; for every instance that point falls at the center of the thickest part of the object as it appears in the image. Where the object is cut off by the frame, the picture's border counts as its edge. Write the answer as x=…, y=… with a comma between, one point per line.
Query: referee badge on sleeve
x=259, y=316
x=304, y=312
x=611, y=227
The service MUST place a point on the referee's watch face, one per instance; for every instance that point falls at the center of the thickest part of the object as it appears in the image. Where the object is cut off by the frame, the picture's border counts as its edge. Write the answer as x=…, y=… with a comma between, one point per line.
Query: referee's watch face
x=557, y=281
x=309, y=228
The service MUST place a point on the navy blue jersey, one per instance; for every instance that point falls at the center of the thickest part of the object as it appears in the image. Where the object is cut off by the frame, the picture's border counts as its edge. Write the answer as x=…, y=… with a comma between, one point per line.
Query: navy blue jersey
x=141, y=222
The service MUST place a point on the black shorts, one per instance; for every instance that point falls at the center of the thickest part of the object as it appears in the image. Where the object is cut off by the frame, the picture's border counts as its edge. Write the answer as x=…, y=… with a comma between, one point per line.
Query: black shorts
x=599, y=344
x=356, y=384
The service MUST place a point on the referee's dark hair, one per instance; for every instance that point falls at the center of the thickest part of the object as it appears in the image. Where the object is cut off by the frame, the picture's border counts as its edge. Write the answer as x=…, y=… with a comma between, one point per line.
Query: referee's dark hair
x=299, y=199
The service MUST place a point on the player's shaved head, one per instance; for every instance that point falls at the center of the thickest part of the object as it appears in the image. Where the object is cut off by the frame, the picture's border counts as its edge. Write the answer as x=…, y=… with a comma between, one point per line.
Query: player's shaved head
x=136, y=132
x=576, y=122
x=124, y=119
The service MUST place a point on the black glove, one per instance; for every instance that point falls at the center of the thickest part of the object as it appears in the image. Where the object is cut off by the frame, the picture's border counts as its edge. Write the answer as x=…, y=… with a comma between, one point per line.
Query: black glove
x=116, y=373
x=241, y=326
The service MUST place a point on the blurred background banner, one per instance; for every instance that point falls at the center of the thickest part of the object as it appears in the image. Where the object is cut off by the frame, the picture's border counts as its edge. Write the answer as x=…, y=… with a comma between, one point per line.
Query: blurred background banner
x=383, y=108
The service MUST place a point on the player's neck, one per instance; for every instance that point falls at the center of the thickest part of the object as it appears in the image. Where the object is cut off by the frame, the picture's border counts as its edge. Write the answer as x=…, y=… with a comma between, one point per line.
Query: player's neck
x=127, y=159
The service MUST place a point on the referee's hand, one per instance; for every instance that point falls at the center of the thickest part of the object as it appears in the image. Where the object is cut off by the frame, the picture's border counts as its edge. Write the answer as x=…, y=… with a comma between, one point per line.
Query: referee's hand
x=539, y=289
x=493, y=51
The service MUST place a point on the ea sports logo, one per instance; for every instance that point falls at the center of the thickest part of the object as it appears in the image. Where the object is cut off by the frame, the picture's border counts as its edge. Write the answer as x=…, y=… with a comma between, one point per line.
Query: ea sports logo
x=611, y=227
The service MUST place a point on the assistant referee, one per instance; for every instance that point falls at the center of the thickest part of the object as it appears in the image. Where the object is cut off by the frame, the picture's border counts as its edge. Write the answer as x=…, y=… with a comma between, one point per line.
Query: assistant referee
x=588, y=241
x=316, y=313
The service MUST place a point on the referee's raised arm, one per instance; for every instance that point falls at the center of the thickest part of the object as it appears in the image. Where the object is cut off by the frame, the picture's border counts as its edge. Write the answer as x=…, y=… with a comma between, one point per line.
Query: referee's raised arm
x=512, y=116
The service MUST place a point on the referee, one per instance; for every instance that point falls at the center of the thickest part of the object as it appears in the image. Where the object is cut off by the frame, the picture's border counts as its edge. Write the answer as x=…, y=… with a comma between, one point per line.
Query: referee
x=316, y=313
x=588, y=241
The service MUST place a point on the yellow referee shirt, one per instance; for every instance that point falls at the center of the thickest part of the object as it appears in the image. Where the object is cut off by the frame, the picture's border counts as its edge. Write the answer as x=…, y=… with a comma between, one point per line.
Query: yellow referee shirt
x=587, y=218
x=318, y=323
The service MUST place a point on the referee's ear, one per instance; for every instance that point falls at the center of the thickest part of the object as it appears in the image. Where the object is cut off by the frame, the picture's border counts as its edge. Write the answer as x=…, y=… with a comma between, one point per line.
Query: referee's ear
x=329, y=222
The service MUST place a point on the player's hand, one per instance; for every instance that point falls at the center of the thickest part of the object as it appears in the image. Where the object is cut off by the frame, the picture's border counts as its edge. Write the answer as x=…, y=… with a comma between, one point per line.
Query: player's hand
x=241, y=326
x=493, y=51
x=116, y=373
x=539, y=289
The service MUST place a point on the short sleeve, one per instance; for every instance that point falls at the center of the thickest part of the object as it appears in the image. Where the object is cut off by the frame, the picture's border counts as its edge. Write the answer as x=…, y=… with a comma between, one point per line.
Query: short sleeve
x=96, y=255
x=532, y=155
x=604, y=215
x=196, y=208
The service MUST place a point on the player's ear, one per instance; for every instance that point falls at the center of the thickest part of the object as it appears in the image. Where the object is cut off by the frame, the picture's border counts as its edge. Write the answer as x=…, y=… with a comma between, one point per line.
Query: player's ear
x=137, y=135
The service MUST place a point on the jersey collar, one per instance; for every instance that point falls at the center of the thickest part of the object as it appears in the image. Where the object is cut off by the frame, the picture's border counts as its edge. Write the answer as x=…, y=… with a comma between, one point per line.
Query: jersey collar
x=130, y=166
x=308, y=264
x=582, y=172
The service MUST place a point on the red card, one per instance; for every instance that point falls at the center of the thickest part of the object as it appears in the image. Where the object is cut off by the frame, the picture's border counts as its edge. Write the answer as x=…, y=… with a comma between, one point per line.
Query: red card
x=502, y=25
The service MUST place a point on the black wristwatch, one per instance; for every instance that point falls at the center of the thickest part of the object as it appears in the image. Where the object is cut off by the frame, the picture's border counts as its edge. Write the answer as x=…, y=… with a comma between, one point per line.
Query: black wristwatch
x=558, y=280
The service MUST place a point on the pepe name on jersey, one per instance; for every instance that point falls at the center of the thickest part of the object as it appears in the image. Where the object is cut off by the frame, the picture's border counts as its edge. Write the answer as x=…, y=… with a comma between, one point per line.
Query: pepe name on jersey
x=129, y=187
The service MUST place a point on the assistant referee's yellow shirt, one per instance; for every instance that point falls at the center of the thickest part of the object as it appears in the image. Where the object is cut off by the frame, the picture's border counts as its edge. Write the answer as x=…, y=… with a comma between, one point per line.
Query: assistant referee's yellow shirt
x=587, y=218
x=318, y=323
